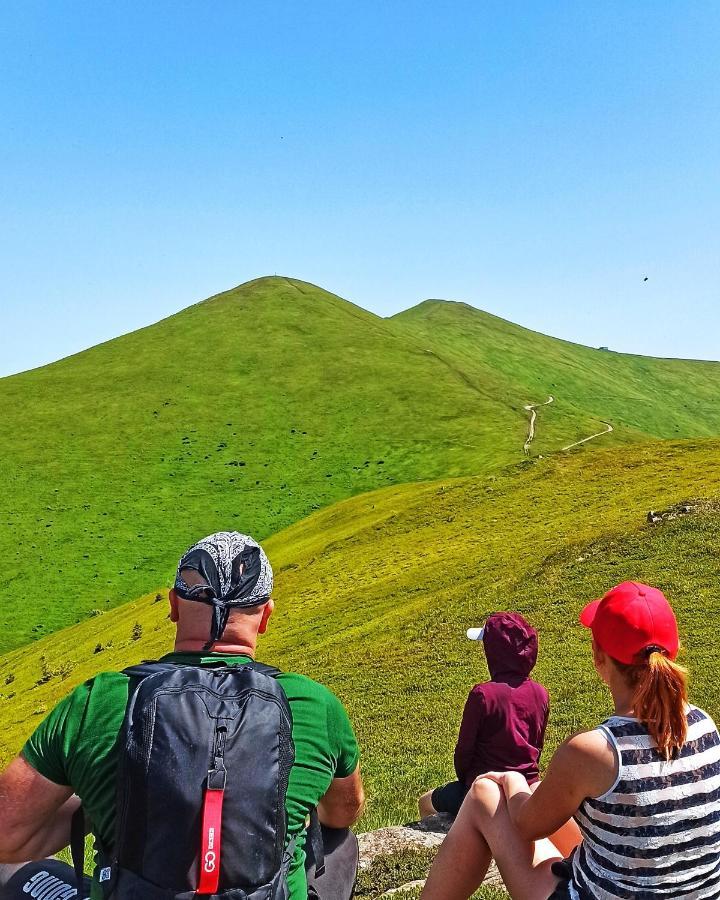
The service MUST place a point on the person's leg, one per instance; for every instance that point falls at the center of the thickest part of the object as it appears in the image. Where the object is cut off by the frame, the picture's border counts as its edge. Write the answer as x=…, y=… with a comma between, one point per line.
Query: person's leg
x=446, y=799
x=425, y=805
x=44, y=878
x=483, y=830
x=337, y=882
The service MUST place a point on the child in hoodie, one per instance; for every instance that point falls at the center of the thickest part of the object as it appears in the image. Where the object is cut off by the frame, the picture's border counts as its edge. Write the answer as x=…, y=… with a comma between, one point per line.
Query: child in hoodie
x=503, y=723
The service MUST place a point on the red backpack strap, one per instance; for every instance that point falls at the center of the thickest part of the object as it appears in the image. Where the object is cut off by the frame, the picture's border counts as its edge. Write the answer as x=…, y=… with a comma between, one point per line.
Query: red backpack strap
x=211, y=843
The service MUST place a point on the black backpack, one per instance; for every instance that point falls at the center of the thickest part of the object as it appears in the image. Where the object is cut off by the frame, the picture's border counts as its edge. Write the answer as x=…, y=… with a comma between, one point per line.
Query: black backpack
x=205, y=757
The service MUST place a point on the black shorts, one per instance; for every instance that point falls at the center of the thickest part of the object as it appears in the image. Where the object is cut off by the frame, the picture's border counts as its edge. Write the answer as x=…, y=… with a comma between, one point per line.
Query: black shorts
x=563, y=870
x=46, y=878
x=449, y=798
x=337, y=882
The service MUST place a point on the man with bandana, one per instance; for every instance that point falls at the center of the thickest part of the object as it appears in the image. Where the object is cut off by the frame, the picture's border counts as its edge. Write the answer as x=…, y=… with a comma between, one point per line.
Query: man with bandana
x=220, y=604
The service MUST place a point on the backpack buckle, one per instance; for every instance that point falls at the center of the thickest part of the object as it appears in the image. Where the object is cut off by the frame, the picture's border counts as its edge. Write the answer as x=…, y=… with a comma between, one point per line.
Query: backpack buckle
x=217, y=777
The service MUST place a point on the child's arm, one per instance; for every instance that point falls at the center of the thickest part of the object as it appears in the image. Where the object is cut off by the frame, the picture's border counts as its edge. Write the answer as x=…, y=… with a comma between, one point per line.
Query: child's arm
x=545, y=721
x=472, y=718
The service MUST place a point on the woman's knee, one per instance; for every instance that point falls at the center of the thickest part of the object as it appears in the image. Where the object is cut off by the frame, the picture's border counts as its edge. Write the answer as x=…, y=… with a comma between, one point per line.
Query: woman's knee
x=485, y=795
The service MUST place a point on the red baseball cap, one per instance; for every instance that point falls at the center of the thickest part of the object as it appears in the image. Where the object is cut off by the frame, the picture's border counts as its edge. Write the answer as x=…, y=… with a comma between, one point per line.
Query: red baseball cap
x=630, y=618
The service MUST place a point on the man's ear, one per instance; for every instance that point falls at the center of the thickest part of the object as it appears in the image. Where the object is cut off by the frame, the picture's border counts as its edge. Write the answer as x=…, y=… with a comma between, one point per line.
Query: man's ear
x=173, y=598
x=266, y=613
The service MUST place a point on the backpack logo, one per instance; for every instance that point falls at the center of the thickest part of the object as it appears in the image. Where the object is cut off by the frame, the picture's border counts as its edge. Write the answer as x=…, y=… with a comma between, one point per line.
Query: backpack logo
x=210, y=858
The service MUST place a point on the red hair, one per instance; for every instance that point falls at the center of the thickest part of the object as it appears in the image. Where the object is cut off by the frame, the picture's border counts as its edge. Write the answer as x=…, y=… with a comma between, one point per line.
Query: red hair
x=659, y=699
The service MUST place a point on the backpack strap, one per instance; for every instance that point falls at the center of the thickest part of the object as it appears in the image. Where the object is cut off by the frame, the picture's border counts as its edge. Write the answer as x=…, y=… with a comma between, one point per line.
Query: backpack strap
x=108, y=855
x=143, y=669
x=149, y=667
x=314, y=830
x=315, y=837
x=263, y=669
x=77, y=846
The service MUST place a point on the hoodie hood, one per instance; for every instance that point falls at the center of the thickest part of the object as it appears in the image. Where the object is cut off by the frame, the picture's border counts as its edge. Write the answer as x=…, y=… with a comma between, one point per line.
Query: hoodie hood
x=511, y=645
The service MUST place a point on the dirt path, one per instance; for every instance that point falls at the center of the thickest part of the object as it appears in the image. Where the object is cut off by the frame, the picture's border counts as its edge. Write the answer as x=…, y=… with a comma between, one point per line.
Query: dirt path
x=608, y=429
x=532, y=408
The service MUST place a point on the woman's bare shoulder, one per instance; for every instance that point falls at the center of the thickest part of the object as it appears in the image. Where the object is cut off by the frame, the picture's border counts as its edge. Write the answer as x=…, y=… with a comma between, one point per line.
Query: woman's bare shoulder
x=592, y=756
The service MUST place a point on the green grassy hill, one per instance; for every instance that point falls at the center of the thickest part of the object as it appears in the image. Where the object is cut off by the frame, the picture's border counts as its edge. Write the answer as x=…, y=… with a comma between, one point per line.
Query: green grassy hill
x=256, y=407
x=639, y=395
x=375, y=593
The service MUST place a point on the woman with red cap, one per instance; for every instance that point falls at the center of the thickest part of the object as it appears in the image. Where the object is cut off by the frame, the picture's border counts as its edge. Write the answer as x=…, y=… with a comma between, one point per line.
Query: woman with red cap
x=634, y=802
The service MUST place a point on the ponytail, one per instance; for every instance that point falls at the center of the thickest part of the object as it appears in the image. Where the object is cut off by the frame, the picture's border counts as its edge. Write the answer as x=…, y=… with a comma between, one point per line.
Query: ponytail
x=659, y=700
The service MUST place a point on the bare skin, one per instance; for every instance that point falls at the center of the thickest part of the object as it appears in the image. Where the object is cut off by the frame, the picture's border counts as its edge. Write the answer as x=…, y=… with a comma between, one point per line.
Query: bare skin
x=425, y=806
x=504, y=819
x=565, y=839
x=35, y=813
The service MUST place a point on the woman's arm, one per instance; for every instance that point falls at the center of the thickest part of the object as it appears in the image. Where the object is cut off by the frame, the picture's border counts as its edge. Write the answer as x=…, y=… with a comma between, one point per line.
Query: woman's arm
x=584, y=766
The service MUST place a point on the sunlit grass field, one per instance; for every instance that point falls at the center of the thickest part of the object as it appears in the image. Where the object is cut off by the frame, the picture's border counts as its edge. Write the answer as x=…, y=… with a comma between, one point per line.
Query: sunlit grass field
x=374, y=595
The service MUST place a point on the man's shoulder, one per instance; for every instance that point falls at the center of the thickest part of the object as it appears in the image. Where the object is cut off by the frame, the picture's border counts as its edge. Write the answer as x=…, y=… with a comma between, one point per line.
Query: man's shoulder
x=80, y=728
x=297, y=686
x=110, y=682
x=103, y=698
x=101, y=683
x=112, y=678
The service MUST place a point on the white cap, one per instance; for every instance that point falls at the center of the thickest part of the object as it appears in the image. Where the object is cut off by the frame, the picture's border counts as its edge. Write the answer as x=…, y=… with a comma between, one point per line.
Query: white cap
x=476, y=634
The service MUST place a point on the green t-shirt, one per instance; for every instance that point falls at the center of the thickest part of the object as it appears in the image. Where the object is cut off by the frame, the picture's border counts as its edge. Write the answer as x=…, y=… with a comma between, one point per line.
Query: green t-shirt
x=76, y=745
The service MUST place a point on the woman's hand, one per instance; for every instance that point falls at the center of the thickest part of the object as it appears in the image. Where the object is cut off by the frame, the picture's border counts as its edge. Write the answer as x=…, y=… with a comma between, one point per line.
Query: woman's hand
x=514, y=787
x=497, y=777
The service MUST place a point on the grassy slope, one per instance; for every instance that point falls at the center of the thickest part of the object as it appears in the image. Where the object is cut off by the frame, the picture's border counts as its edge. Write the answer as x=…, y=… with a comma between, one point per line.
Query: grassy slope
x=248, y=411
x=374, y=595
x=665, y=398
x=261, y=404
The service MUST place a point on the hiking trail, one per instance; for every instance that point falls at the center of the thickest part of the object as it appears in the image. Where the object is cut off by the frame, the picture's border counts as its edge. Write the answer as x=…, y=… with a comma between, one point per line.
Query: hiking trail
x=532, y=408
x=608, y=429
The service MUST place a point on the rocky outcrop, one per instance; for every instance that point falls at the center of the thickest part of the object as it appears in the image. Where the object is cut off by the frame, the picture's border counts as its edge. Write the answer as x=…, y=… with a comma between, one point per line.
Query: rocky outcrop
x=678, y=510
x=426, y=834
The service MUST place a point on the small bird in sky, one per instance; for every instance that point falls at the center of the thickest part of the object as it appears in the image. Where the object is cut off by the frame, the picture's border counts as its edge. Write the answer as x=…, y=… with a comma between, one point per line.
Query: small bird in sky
x=645, y=278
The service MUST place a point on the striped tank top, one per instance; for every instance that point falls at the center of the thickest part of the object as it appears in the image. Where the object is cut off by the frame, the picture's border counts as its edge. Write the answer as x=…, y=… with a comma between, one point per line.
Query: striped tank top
x=656, y=832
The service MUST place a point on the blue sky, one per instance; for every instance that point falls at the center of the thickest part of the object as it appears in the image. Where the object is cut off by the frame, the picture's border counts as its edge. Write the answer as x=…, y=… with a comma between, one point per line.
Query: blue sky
x=536, y=159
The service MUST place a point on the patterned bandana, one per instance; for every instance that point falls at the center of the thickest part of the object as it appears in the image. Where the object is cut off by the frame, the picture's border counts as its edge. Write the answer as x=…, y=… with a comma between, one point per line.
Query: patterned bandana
x=233, y=571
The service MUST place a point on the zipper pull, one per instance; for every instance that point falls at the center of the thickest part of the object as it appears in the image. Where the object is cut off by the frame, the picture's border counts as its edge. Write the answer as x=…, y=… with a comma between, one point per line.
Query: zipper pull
x=217, y=775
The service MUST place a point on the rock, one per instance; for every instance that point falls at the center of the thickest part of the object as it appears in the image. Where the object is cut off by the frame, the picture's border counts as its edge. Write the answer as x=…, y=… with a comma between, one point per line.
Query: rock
x=428, y=833
x=404, y=887
x=398, y=837
x=687, y=508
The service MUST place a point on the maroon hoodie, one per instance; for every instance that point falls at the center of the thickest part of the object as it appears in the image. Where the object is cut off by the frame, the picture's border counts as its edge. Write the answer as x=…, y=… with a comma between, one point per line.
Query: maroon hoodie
x=503, y=723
